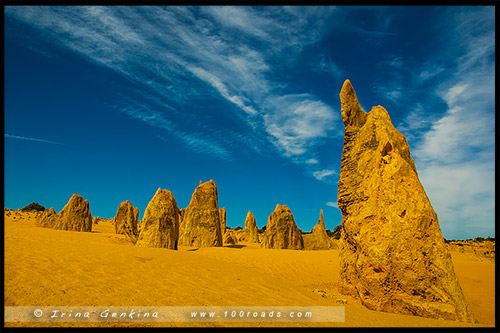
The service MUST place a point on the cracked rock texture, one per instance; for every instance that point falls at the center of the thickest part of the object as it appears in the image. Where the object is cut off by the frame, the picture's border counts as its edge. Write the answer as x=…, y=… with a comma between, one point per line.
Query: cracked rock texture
x=392, y=254
x=126, y=218
x=201, y=225
x=160, y=223
x=75, y=216
x=282, y=231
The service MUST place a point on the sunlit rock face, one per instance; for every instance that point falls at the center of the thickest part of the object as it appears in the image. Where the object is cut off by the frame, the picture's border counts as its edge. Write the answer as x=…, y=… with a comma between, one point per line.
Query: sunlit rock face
x=75, y=216
x=126, y=218
x=392, y=254
x=282, y=231
x=318, y=238
x=251, y=230
x=201, y=226
x=160, y=223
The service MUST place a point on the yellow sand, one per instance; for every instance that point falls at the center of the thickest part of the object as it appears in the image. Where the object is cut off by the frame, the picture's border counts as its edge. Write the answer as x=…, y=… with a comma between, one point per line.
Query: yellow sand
x=46, y=267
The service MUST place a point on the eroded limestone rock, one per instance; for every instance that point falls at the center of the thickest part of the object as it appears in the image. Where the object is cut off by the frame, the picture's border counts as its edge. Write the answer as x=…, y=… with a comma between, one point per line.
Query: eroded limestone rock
x=126, y=218
x=160, y=223
x=201, y=225
x=282, y=231
x=393, y=256
x=251, y=230
x=318, y=238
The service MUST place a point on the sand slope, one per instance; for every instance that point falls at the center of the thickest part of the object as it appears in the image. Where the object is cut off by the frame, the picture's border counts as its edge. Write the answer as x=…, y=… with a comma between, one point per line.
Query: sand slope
x=47, y=267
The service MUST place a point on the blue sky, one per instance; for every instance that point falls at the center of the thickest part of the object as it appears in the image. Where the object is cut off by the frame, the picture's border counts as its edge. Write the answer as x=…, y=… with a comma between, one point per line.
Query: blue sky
x=114, y=102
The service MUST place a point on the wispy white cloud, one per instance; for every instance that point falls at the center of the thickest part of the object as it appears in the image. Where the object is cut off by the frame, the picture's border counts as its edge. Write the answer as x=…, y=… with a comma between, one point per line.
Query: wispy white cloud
x=455, y=156
x=429, y=70
x=326, y=64
x=322, y=174
x=332, y=204
x=312, y=161
x=32, y=139
x=215, y=82
x=296, y=121
x=181, y=54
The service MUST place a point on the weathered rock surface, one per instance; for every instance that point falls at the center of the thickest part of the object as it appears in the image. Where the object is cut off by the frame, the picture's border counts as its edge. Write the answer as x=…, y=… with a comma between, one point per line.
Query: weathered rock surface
x=251, y=230
x=75, y=216
x=201, y=226
x=281, y=231
x=230, y=238
x=136, y=217
x=160, y=223
x=48, y=219
x=393, y=256
x=223, y=219
x=181, y=221
x=318, y=238
x=126, y=218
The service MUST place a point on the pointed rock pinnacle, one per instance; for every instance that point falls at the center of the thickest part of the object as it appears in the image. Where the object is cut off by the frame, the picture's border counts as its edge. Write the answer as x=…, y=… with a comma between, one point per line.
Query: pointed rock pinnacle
x=352, y=113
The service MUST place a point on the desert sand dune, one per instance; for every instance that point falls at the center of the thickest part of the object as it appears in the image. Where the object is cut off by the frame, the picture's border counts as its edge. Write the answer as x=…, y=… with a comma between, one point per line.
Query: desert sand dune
x=48, y=267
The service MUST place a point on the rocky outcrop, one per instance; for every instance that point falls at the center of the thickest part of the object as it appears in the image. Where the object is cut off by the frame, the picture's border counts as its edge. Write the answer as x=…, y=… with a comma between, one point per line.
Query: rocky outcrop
x=223, y=218
x=393, y=256
x=160, y=223
x=48, y=219
x=126, y=218
x=75, y=216
x=201, y=226
x=230, y=238
x=318, y=238
x=281, y=231
x=251, y=230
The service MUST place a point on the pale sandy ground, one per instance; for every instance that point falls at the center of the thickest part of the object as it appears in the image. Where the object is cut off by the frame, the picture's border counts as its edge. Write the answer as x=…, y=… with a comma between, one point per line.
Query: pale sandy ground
x=46, y=267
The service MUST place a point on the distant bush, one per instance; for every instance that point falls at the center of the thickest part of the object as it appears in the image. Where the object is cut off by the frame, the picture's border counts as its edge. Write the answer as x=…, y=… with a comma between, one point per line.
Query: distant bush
x=34, y=206
x=337, y=231
x=238, y=228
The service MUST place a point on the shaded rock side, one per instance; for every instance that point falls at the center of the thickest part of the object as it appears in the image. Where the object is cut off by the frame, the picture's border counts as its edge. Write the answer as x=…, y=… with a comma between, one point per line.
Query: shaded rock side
x=223, y=219
x=318, y=239
x=48, y=219
x=230, y=237
x=281, y=231
x=136, y=218
x=181, y=222
x=392, y=254
x=201, y=226
x=126, y=218
x=251, y=230
x=160, y=223
x=75, y=216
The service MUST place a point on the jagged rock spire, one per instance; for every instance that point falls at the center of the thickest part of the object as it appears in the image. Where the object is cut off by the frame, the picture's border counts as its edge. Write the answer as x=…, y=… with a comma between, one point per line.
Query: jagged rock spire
x=351, y=111
x=392, y=253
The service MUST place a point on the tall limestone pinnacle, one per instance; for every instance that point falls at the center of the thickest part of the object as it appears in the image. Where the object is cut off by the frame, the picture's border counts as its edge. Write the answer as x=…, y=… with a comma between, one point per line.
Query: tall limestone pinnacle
x=160, y=223
x=392, y=254
x=351, y=111
x=126, y=218
x=201, y=226
x=251, y=229
x=318, y=238
x=282, y=231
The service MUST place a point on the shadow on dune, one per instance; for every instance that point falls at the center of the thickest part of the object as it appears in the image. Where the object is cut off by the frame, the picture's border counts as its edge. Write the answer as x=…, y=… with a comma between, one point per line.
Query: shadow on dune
x=235, y=246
